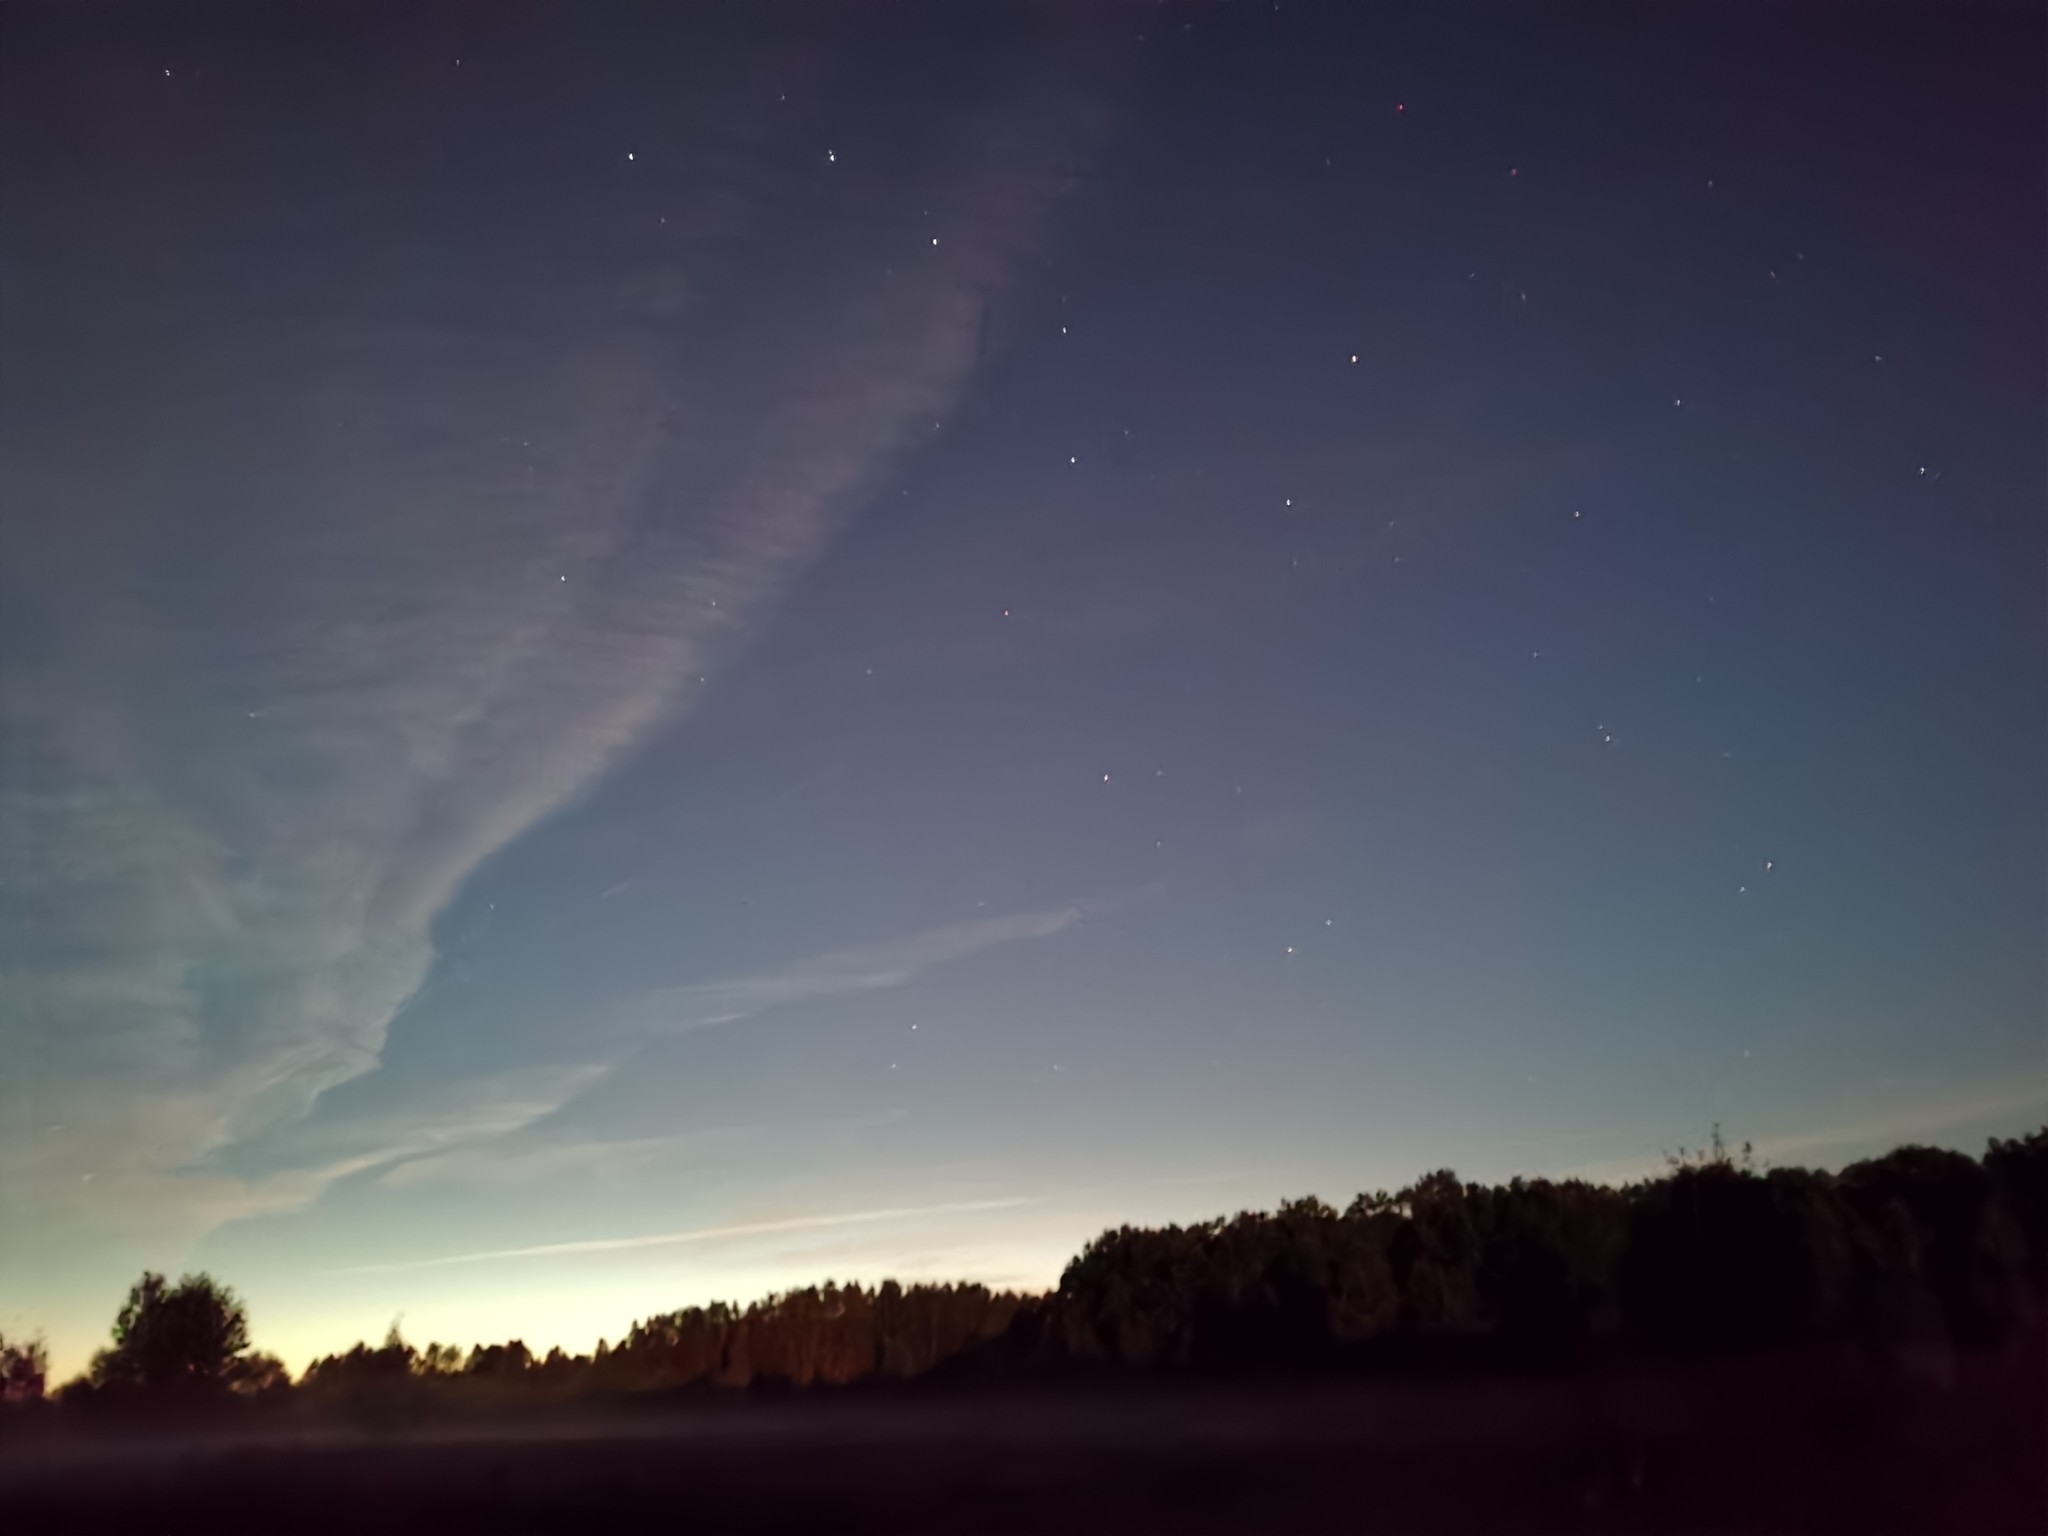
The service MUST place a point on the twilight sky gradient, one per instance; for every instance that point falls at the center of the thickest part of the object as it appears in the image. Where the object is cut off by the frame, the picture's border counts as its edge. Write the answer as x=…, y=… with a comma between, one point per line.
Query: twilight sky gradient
x=653, y=652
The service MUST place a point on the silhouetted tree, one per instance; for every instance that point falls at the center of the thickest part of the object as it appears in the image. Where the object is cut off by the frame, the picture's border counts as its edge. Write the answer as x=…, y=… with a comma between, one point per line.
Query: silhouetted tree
x=1714, y=1256
x=1720, y=1258
x=499, y=1362
x=1950, y=1231
x=2019, y=1173
x=1549, y=1266
x=188, y=1335
x=24, y=1367
x=828, y=1334
x=378, y=1380
x=437, y=1360
x=258, y=1375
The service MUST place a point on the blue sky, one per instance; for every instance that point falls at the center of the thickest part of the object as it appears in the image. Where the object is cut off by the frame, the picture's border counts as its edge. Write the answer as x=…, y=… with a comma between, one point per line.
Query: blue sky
x=651, y=658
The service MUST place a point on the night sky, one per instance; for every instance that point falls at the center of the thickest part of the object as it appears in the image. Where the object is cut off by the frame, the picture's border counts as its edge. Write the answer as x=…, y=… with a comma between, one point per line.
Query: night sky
x=650, y=653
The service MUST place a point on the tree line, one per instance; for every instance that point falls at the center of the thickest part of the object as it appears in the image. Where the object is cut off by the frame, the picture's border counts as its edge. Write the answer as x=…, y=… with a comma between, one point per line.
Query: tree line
x=1914, y=1256
x=1919, y=1250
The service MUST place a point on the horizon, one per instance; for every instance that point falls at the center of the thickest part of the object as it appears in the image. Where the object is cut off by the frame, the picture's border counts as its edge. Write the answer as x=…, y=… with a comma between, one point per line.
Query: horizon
x=657, y=654
x=296, y=1361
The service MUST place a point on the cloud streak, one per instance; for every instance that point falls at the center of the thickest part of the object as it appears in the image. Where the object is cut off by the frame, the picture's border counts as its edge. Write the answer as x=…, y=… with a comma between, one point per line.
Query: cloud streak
x=858, y=968
x=695, y=1235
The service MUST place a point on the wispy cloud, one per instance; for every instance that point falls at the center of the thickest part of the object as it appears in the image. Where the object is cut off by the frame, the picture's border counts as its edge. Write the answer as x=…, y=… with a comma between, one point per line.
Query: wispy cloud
x=860, y=968
x=449, y=1119
x=467, y=553
x=697, y=1235
x=528, y=1157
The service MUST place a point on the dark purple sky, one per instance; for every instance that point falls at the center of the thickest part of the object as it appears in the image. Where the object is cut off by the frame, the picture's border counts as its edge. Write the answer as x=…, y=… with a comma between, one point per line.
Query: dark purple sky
x=652, y=652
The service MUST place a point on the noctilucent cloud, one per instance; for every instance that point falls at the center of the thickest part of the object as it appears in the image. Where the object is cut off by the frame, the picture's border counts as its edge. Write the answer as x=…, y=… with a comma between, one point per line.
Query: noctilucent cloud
x=651, y=653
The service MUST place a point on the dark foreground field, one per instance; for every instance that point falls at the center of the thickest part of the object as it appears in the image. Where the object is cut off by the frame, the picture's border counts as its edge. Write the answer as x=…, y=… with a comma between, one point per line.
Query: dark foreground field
x=1756, y=1448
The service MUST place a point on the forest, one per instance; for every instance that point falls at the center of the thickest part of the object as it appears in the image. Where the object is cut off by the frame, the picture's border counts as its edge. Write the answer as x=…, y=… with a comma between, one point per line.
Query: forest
x=1906, y=1261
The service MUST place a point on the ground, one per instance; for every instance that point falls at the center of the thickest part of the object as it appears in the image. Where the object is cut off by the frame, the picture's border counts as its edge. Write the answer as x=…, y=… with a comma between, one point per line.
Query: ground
x=1762, y=1447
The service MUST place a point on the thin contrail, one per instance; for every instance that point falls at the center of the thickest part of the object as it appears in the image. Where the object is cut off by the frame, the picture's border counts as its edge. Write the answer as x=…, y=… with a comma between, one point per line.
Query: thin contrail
x=695, y=1235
